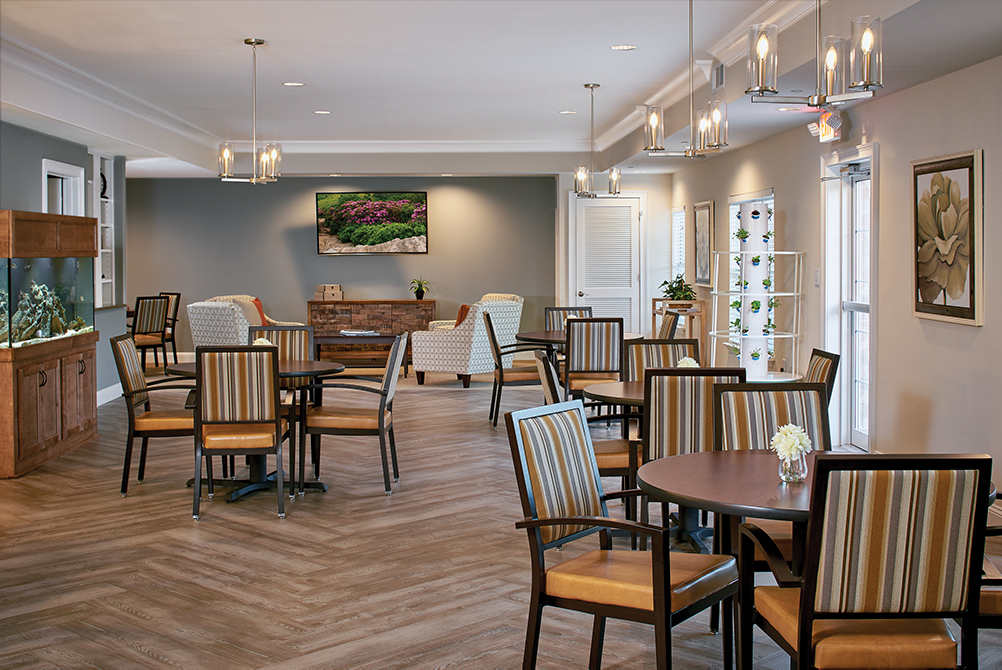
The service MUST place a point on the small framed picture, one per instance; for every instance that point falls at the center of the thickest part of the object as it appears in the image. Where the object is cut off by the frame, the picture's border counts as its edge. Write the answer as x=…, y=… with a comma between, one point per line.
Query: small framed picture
x=704, y=241
x=949, y=227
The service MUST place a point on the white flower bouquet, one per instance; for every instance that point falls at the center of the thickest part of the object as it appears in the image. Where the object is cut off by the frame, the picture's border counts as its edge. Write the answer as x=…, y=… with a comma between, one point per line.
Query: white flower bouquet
x=687, y=362
x=790, y=442
x=262, y=342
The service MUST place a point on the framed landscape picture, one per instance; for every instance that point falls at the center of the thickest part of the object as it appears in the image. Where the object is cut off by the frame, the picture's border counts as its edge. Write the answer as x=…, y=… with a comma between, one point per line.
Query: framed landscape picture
x=947, y=216
x=704, y=241
x=372, y=223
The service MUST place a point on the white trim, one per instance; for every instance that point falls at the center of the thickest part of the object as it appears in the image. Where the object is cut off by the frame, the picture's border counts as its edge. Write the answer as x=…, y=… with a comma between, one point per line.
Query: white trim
x=75, y=175
x=109, y=393
x=753, y=195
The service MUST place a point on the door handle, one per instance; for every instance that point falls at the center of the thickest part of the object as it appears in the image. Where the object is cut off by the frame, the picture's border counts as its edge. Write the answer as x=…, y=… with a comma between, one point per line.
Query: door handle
x=581, y=294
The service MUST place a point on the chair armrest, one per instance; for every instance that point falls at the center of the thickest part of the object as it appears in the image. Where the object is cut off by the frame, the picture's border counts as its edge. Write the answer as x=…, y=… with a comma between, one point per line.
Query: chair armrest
x=273, y=322
x=751, y=537
x=152, y=389
x=442, y=324
x=353, y=387
x=600, y=521
x=993, y=531
x=628, y=493
x=522, y=346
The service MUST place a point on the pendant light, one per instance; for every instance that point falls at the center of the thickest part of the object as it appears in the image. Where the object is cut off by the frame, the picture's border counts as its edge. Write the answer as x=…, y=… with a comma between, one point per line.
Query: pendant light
x=267, y=159
x=583, y=178
x=863, y=67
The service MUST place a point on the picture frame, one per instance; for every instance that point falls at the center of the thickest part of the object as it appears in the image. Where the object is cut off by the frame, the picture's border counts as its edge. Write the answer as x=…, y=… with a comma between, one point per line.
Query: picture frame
x=703, y=225
x=948, y=222
x=372, y=223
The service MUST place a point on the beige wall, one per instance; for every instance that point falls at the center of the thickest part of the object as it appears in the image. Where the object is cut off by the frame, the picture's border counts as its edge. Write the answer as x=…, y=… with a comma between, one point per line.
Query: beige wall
x=938, y=385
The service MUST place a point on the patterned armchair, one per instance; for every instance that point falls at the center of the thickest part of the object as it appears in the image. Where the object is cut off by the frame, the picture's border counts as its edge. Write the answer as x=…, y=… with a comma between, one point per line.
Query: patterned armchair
x=465, y=349
x=449, y=324
x=221, y=321
x=250, y=298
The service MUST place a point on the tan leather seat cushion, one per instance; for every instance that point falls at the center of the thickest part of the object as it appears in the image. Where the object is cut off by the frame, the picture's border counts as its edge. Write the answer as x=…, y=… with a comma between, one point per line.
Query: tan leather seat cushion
x=861, y=643
x=624, y=578
x=991, y=596
x=148, y=340
x=350, y=418
x=781, y=532
x=170, y=419
x=521, y=373
x=579, y=380
x=613, y=454
x=240, y=435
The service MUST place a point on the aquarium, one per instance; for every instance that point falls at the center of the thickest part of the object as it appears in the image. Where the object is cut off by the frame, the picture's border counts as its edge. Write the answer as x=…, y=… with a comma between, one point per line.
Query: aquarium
x=45, y=298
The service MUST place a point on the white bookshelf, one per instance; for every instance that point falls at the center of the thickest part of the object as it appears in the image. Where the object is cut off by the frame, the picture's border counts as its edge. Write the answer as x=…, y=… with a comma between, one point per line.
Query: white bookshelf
x=104, y=212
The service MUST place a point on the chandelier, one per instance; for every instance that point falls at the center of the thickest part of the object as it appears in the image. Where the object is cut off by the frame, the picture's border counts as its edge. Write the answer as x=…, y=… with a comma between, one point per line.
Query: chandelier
x=584, y=177
x=267, y=159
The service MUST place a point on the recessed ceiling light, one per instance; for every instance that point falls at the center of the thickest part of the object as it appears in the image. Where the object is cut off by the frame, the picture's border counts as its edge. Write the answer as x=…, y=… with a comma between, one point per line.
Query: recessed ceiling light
x=796, y=90
x=787, y=109
x=321, y=111
x=446, y=174
x=623, y=47
x=293, y=83
x=566, y=111
x=335, y=174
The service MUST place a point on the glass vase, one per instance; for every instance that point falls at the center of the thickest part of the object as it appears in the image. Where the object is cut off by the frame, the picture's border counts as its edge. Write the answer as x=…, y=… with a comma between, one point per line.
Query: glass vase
x=793, y=470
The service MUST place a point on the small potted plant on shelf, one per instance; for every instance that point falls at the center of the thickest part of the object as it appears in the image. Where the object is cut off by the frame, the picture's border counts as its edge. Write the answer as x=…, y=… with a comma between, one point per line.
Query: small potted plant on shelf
x=756, y=354
x=419, y=286
x=756, y=305
x=755, y=260
x=677, y=289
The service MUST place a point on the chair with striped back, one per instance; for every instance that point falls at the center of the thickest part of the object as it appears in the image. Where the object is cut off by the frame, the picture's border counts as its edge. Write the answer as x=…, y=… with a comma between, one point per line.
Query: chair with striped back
x=237, y=410
x=678, y=419
x=562, y=501
x=144, y=421
x=318, y=419
x=669, y=323
x=823, y=367
x=522, y=373
x=660, y=353
x=170, y=329
x=295, y=343
x=594, y=353
x=554, y=317
x=148, y=326
x=894, y=546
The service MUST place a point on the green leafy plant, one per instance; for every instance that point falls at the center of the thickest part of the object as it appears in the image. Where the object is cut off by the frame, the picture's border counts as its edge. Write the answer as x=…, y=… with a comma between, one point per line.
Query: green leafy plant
x=755, y=260
x=419, y=286
x=756, y=354
x=677, y=289
x=773, y=302
x=737, y=259
x=742, y=234
x=736, y=324
x=767, y=283
x=736, y=304
x=756, y=305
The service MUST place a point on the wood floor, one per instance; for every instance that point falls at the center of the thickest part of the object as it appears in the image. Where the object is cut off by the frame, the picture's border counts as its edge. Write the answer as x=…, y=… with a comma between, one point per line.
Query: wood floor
x=434, y=576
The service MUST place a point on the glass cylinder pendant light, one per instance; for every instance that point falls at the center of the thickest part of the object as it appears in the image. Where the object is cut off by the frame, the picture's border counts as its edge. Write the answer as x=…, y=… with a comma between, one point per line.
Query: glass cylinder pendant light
x=866, y=58
x=225, y=159
x=762, y=58
x=269, y=161
x=581, y=180
x=833, y=54
x=717, y=131
x=654, y=128
x=614, y=177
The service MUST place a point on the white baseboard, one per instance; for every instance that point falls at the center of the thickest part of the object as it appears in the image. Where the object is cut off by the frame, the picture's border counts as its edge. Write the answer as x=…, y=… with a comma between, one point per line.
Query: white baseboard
x=108, y=394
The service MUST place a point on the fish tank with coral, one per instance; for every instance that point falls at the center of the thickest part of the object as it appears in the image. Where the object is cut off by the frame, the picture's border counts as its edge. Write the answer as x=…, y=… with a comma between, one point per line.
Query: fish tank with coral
x=45, y=298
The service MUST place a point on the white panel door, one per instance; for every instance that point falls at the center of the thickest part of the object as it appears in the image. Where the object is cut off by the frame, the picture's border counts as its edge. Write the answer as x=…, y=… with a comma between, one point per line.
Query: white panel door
x=608, y=255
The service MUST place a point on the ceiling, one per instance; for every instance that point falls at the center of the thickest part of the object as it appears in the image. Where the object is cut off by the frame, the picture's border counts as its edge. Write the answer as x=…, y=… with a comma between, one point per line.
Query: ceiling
x=425, y=87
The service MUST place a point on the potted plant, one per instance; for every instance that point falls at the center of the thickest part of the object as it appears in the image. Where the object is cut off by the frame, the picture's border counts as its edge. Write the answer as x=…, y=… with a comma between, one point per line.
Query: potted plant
x=766, y=235
x=767, y=283
x=756, y=305
x=419, y=286
x=677, y=289
x=774, y=302
x=756, y=354
x=755, y=260
x=742, y=234
x=736, y=304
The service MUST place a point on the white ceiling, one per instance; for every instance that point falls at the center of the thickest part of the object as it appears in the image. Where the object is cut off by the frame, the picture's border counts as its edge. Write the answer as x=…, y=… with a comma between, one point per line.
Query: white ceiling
x=421, y=87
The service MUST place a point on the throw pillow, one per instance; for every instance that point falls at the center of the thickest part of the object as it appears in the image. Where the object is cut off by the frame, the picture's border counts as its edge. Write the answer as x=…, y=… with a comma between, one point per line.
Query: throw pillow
x=260, y=309
x=250, y=312
x=464, y=309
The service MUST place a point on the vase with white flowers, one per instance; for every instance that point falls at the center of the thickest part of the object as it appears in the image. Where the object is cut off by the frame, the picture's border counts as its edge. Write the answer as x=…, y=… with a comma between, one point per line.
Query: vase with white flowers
x=687, y=362
x=791, y=444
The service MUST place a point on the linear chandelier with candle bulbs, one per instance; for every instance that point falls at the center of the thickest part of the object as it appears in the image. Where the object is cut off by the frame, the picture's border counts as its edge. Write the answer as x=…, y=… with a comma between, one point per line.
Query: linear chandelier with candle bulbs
x=267, y=159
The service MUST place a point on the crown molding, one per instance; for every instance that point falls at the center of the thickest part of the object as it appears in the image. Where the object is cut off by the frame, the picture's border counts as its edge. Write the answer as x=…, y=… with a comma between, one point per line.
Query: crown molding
x=734, y=45
x=418, y=146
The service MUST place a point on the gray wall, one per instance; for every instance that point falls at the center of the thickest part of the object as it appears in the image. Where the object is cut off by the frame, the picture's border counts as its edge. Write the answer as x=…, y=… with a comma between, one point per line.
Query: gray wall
x=21, y=154
x=205, y=238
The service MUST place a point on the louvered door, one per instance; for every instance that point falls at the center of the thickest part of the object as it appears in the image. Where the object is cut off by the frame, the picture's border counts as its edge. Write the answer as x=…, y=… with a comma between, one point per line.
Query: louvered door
x=608, y=255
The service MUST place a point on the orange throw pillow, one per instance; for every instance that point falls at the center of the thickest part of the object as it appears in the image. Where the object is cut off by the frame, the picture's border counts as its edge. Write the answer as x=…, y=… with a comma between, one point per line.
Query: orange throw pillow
x=464, y=309
x=260, y=310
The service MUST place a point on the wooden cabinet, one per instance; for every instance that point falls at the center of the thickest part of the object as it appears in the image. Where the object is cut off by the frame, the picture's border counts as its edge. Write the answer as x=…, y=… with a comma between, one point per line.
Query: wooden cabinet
x=329, y=318
x=48, y=401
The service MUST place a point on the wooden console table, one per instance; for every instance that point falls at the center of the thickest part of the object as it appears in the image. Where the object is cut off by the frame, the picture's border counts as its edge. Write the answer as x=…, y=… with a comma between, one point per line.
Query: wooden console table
x=386, y=317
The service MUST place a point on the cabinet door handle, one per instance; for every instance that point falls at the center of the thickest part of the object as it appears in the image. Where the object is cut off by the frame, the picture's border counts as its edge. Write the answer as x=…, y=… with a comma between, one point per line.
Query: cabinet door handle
x=82, y=364
x=45, y=378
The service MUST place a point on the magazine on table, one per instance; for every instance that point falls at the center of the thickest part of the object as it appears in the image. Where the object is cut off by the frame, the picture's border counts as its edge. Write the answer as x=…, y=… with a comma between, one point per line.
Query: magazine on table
x=357, y=333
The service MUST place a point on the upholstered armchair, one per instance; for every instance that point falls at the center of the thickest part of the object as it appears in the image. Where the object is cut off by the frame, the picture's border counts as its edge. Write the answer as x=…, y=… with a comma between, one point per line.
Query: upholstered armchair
x=249, y=298
x=449, y=324
x=464, y=350
x=223, y=320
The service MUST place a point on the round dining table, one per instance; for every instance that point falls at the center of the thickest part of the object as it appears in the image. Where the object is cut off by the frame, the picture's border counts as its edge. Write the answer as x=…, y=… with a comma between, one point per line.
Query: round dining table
x=630, y=394
x=554, y=337
x=259, y=479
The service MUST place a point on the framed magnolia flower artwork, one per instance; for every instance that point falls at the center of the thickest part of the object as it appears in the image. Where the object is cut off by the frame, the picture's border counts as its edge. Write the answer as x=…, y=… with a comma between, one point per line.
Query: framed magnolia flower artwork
x=949, y=227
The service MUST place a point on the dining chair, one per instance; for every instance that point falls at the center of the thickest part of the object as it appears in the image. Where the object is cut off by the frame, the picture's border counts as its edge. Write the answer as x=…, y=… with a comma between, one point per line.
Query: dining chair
x=669, y=323
x=520, y=374
x=317, y=419
x=148, y=326
x=566, y=503
x=659, y=353
x=678, y=419
x=170, y=328
x=895, y=545
x=144, y=421
x=594, y=353
x=295, y=343
x=554, y=317
x=823, y=367
x=990, y=607
x=237, y=411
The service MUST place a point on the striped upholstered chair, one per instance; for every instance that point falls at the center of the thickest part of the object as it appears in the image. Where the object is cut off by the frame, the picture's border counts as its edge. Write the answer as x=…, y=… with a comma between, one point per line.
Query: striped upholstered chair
x=594, y=349
x=566, y=503
x=144, y=421
x=522, y=373
x=643, y=354
x=894, y=546
x=237, y=410
x=170, y=331
x=823, y=367
x=149, y=324
x=678, y=419
x=554, y=317
x=669, y=323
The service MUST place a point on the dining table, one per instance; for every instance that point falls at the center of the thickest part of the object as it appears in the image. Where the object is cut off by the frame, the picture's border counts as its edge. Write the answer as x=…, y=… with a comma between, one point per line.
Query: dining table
x=259, y=478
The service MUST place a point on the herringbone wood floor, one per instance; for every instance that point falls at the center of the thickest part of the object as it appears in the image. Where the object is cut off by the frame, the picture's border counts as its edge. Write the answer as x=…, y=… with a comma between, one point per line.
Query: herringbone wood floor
x=434, y=576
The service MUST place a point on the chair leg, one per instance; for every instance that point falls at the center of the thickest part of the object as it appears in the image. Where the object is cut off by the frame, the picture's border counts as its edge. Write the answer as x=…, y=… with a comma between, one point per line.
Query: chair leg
x=128, y=463
x=197, y=484
x=497, y=405
x=280, y=479
x=597, y=640
x=420, y=377
x=233, y=467
x=386, y=467
x=292, y=454
x=208, y=473
x=142, y=460
x=466, y=380
x=728, y=606
x=315, y=455
x=173, y=346
x=393, y=454
x=302, y=460
x=532, y=632
x=143, y=356
x=494, y=395
x=226, y=468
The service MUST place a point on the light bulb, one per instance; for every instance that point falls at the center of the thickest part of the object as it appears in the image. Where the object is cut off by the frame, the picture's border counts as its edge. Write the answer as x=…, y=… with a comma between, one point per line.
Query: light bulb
x=763, y=47
x=832, y=58
x=866, y=43
x=226, y=153
x=654, y=119
x=716, y=116
x=703, y=125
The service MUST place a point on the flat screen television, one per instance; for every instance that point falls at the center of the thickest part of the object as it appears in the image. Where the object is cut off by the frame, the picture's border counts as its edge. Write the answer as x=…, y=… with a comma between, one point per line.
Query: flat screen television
x=372, y=223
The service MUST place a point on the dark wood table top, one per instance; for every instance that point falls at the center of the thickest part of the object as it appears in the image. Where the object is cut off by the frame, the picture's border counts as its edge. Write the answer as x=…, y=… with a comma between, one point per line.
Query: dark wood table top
x=285, y=368
x=557, y=336
x=617, y=393
x=739, y=483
